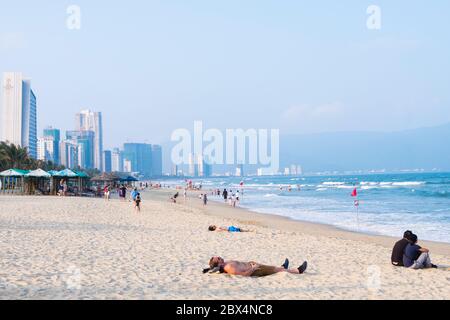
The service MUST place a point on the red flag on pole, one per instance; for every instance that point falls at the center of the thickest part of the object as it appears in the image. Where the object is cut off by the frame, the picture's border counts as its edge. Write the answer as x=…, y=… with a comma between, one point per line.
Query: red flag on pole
x=355, y=193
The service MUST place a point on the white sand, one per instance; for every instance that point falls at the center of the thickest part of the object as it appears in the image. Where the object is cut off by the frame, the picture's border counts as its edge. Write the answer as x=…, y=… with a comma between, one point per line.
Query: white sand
x=80, y=248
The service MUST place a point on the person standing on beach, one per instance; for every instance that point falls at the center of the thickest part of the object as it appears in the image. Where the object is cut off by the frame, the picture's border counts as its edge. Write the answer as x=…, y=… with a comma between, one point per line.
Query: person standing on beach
x=133, y=194
x=123, y=191
x=250, y=269
x=205, y=199
x=107, y=193
x=137, y=202
x=225, y=194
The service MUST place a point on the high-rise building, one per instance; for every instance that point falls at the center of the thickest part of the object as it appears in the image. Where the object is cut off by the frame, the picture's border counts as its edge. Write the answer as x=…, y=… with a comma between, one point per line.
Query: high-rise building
x=52, y=136
x=117, y=161
x=127, y=166
x=140, y=157
x=85, y=143
x=107, y=164
x=193, y=168
x=204, y=167
x=199, y=166
x=174, y=171
x=88, y=120
x=68, y=154
x=46, y=149
x=157, y=170
x=18, y=118
x=239, y=170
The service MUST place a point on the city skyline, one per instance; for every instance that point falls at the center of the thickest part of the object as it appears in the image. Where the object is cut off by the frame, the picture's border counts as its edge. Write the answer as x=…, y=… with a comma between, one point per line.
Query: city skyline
x=306, y=68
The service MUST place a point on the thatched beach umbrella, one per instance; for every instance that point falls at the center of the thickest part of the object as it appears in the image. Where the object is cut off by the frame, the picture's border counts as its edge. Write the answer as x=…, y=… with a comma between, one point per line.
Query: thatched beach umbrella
x=13, y=179
x=37, y=179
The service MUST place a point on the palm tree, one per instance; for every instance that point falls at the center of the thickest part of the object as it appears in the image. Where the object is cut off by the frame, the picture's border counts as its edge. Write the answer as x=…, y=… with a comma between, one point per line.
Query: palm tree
x=16, y=157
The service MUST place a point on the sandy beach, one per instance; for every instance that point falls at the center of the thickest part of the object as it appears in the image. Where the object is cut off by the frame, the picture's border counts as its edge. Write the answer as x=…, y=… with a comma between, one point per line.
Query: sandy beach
x=84, y=248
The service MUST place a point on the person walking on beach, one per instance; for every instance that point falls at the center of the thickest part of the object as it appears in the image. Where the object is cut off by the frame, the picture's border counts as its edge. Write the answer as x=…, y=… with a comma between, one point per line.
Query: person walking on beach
x=416, y=257
x=250, y=269
x=133, y=194
x=61, y=188
x=185, y=195
x=123, y=192
x=205, y=199
x=399, y=249
x=137, y=202
x=225, y=194
x=107, y=193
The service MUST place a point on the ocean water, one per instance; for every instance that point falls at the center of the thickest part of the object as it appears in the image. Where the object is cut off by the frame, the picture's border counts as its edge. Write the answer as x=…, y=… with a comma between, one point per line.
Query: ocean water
x=389, y=204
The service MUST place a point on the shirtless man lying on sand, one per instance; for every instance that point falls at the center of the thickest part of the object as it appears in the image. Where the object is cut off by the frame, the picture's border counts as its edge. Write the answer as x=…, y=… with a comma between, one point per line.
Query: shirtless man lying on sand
x=228, y=229
x=250, y=269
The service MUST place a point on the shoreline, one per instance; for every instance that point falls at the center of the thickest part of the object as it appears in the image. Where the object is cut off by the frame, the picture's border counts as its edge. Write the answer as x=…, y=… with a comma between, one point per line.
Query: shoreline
x=282, y=223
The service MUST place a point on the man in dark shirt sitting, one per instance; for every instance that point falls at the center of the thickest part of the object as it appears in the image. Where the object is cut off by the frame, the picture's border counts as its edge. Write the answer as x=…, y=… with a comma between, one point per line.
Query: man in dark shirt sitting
x=416, y=257
x=399, y=249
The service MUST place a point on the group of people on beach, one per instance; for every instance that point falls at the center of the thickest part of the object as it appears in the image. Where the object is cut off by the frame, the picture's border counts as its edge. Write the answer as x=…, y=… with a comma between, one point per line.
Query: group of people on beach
x=407, y=253
x=135, y=195
x=230, y=197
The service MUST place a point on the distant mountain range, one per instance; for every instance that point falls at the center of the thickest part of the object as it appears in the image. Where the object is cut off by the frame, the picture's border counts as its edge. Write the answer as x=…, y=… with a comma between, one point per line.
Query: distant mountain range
x=424, y=148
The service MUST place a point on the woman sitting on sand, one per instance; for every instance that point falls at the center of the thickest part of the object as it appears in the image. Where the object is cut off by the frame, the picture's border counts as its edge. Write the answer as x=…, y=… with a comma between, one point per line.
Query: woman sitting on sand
x=229, y=229
x=250, y=269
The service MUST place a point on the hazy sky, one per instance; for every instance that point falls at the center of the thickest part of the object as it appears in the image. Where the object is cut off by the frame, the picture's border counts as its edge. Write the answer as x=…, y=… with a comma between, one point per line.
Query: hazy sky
x=301, y=66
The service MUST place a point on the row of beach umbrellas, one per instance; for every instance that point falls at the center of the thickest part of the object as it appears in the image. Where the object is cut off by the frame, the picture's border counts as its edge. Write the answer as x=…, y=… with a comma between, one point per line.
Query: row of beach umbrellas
x=39, y=173
x=66, y=173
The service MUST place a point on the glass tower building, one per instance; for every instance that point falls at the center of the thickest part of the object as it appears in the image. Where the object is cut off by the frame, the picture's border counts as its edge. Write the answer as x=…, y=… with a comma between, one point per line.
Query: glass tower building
x=18, y=114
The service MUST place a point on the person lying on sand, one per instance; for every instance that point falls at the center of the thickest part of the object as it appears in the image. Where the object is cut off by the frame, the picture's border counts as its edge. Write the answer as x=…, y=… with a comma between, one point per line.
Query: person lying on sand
x=250, y=269
x=229, y=229
x=416, y=257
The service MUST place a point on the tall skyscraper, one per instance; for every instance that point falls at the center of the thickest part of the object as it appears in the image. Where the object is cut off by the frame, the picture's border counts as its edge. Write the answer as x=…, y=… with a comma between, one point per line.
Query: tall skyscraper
x=46, y=150
x=85, y=144
x=199, y=166
x=117, y=161
x=68, y=154
x=157, y=170
x=139, y=156
x=107, y=163
x=18, y=118
x=88, y=120
x=55, y=135
x=193, y=168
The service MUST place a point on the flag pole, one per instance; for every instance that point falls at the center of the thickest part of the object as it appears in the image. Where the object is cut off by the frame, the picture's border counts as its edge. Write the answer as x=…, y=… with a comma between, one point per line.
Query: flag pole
x=357, y=215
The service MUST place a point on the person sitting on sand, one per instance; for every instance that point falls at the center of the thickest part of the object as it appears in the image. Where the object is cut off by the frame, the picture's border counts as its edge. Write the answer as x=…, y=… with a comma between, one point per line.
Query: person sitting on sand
x=399, y=249
x=250, y=269
x=416, y=257
x=229, y=229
